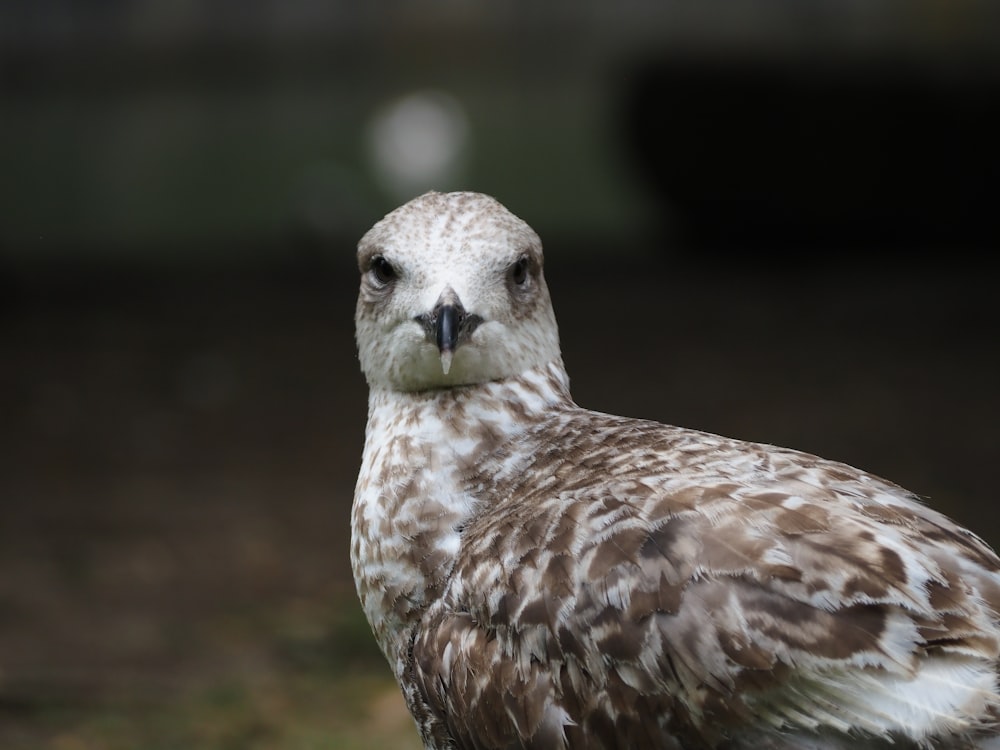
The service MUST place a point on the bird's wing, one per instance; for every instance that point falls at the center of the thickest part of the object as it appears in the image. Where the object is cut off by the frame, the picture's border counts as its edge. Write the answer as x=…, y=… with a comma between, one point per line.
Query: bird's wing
x=630, y=583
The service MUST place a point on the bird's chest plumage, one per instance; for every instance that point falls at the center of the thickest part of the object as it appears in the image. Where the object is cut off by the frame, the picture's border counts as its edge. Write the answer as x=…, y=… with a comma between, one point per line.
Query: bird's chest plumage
x=406, y=512
x=416, y=492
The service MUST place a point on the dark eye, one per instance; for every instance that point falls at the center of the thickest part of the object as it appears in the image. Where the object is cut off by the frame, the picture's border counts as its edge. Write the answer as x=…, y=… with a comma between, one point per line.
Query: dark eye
x=382, y=270
x=519, y=271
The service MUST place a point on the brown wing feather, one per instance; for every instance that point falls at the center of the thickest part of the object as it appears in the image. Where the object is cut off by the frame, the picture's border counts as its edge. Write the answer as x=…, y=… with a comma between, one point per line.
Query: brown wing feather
x=630, y=587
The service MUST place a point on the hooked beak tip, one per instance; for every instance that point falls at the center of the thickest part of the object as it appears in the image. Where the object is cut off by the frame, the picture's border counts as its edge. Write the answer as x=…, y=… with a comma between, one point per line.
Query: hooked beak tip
x=446, y=357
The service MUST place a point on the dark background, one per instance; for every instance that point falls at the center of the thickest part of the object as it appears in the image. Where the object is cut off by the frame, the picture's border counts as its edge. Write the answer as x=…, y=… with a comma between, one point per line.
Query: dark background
x=770, y=220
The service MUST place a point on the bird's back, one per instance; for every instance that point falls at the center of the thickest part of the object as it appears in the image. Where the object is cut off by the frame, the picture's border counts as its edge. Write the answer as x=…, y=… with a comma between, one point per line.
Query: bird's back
x=629, y=584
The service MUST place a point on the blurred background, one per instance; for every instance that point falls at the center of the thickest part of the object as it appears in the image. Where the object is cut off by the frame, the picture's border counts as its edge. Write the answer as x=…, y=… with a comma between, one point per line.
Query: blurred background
x=773, y=220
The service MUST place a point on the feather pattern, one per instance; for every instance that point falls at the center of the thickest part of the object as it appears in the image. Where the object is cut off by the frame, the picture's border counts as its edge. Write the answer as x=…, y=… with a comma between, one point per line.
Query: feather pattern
x=544, y=576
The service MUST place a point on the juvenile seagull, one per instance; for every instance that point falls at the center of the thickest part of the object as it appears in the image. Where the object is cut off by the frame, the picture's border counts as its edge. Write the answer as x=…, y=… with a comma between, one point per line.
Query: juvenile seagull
x=543, y=576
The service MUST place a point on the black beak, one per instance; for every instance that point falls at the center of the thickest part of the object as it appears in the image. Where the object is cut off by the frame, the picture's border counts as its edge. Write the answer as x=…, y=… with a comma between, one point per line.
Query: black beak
x=448, y=325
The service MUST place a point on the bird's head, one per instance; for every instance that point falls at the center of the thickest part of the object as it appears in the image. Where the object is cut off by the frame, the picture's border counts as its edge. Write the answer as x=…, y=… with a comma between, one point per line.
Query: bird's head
x=452, y=293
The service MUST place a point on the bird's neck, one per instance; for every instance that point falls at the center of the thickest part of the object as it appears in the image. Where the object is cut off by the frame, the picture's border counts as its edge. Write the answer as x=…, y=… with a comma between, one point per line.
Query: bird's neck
x=413, y=494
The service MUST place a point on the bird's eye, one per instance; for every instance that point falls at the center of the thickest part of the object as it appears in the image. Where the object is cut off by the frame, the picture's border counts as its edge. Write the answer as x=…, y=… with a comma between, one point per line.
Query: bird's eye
x=382, y=270
x=519, y=271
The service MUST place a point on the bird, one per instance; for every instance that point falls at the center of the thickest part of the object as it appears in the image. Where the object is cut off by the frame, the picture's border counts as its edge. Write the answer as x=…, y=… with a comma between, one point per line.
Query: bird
x=540, y=575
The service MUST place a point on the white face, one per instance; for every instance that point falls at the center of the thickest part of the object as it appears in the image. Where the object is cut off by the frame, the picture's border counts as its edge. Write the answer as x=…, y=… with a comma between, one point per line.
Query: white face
x=459, y=249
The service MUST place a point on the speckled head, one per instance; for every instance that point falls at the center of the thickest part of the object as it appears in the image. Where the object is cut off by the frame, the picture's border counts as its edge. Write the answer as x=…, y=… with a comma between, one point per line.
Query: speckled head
x=452, y=293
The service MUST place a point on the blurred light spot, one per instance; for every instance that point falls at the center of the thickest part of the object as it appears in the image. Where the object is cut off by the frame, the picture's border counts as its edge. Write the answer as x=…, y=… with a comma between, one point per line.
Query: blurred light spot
x=418, y=143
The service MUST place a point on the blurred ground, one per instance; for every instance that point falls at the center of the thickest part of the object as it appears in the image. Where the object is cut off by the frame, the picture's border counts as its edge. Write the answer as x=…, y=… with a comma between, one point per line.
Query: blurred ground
x=179, y=450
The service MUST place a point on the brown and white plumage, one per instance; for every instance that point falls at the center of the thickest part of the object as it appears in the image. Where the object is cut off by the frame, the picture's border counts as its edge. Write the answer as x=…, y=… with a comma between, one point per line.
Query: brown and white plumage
x=543, y=576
